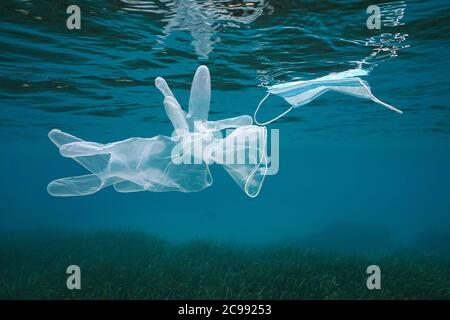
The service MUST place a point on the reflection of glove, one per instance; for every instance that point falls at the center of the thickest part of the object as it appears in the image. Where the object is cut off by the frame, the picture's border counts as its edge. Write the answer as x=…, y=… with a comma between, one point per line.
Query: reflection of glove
x=139, y=164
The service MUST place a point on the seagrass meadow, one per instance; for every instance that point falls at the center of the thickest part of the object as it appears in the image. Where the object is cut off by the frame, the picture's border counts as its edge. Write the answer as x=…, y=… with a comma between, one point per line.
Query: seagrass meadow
x=130, y=265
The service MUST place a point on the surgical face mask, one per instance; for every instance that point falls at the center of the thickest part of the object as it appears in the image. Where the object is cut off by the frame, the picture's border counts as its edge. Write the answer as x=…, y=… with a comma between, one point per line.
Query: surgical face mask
x=299, y=93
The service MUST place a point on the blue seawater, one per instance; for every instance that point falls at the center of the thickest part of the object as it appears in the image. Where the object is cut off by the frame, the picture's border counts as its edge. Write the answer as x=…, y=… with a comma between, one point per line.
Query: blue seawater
x=352, y=174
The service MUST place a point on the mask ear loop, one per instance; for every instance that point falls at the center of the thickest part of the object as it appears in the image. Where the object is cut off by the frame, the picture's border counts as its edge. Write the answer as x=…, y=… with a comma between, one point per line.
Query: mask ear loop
x=262, y=161
x=270, y=121
x=378, y=100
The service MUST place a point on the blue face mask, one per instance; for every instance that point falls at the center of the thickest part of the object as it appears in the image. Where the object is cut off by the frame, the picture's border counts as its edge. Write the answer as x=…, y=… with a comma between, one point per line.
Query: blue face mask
x=298, y=93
